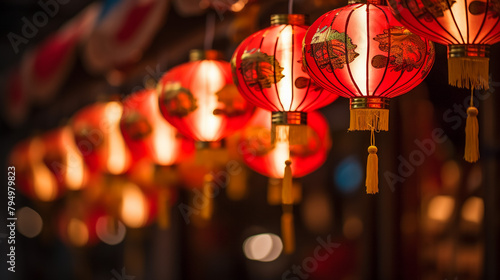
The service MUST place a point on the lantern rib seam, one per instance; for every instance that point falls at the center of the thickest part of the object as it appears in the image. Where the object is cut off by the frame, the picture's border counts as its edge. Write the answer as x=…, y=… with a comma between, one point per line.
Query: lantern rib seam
x=260, y=86
x=444, y=29
x=467, y=20
x=489, y=32
x=334, y=89
x=192, y=130
x=368, y=51
x=388, y=54
x=293, y=61
x=346, y=50
x=482, y=24
x=274, y=68
x=455, y=21
x=436, y=35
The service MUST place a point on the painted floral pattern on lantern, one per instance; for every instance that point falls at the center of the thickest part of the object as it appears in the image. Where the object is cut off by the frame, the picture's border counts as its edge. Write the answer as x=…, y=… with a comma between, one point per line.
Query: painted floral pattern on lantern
x=260, y=70
x=137, y=126
x=329, y=47
x=233, y=104
x=178, y=101
x=428, y=64
x=407, y=50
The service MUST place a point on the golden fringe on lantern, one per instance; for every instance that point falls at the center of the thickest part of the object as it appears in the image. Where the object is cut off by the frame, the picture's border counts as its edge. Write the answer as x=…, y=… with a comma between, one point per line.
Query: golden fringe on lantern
x=294, y=134
x=468, y=72
x=368, y=119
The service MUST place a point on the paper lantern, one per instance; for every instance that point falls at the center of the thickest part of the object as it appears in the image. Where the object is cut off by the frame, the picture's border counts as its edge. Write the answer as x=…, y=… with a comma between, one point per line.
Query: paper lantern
x=33, y=178
x=147, y=134
x=468, y=28
x=63, y=158
x=268, y=70
x=267, y=159
x=363, y=53
x=200, y=99
x=99, y=139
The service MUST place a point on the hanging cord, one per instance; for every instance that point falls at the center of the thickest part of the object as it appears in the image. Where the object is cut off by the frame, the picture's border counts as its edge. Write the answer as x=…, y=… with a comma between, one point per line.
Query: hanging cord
x=290, y=7
x=210, y=31
x=471, y=132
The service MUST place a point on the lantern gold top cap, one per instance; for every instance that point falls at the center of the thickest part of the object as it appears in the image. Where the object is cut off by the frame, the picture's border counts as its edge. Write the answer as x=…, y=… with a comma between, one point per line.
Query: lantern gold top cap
x=195, y=55
x=296, y=19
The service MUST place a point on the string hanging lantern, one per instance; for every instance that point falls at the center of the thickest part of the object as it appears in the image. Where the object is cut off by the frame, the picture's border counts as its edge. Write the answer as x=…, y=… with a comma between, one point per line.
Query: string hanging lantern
x=268, y=70
x=363, y=53
x=467, y=28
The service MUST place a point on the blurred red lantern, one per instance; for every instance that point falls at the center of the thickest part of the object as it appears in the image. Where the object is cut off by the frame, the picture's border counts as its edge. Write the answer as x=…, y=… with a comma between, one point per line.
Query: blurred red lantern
x=468, y=28
x=260, y=155
x=363, y=53
x=147, y=134
x=98, y=137
x=268, y=70
x=200, y=99
x=63, y=158
x=33, y=178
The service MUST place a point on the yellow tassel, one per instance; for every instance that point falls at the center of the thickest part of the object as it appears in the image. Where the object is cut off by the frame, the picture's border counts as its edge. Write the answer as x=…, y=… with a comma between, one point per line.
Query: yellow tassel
x=207, y=208
x=468, y=72
x=287, y=232
x=372, y=168
x=368, y=119
x=287, y=191
x=163, y=209
x=472, y=135
x=295, y=134
x=372, y=171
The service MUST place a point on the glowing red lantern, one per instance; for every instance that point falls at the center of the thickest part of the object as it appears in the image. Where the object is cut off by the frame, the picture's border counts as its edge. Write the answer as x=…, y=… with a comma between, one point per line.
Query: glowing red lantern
x=147, y=134
x=268, y=70
x=33, y=177
x=260, y=155
x=468, y=28
x=99, y=139
x=63, y=158
x=200, y=99
x=363, y=53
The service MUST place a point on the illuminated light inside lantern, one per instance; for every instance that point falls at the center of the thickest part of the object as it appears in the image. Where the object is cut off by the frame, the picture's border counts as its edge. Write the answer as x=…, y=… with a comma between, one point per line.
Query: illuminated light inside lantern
x=117, y=157
x=280, y=154
x=265, y=247
x=358, y=66
x=441, y=208
x=78, y=233
x=164, y=136
x=284, y=55
x=105, y=235
x=134, y=211
x=44, y=182
x=74, y=162
x=473, y=210
x=210, y=81
x=29, y=222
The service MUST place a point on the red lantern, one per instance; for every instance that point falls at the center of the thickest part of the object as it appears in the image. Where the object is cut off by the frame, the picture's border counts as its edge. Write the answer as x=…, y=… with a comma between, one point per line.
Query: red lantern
x=268, y=70
x=98, y=137
x=33, y=178
x=467, y=27
x=63, y=158
x=200, y=99
x=148, y=134
x=261, y=156
x=363, y=53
